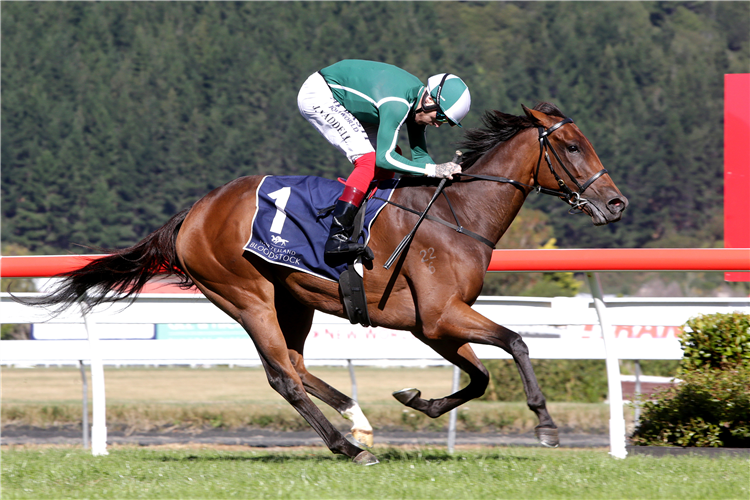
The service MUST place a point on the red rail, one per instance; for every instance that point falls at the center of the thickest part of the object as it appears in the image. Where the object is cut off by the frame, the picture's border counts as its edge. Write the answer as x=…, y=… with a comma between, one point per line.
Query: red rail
x=622, y=259
x=41, y=266
x=592, y=259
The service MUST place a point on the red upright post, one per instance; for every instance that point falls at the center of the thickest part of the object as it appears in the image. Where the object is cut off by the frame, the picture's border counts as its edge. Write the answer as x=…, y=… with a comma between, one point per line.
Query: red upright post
x=737, y=166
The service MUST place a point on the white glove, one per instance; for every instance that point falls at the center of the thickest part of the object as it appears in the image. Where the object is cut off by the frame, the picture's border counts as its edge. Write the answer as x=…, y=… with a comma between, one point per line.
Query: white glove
x=446, y=170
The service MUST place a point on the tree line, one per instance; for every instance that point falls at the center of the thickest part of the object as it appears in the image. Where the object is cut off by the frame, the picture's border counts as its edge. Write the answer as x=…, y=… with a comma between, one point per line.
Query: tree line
x=116, y=115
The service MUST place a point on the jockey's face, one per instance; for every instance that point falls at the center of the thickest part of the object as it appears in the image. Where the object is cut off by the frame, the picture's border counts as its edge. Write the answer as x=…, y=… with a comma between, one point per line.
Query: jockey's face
x=430, y=118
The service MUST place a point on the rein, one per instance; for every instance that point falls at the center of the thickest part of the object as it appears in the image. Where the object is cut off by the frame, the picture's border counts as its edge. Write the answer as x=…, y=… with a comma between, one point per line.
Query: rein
x=456, y=227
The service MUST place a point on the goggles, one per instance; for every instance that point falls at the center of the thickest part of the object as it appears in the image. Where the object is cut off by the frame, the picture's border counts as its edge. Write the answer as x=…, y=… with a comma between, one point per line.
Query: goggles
x=440, y=116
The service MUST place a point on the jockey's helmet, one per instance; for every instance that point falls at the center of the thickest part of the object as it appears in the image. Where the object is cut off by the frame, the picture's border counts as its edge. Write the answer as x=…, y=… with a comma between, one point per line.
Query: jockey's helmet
x=451, y=95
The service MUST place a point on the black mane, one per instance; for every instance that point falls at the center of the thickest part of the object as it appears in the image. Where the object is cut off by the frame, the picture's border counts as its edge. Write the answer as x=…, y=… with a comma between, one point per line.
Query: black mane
x=498, y=127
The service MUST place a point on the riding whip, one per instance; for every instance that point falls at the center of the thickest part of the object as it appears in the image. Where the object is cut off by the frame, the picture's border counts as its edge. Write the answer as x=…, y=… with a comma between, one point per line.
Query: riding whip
x=407, y=239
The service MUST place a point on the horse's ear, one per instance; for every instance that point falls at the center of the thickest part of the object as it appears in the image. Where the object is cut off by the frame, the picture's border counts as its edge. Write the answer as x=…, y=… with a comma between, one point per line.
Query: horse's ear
x=535, y=116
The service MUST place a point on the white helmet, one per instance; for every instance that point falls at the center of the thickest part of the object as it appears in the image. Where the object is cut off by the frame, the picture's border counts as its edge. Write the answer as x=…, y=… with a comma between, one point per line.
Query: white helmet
x=451, y=96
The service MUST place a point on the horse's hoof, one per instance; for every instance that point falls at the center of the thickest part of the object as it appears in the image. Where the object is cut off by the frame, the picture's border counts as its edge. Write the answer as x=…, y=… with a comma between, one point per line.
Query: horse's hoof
x=360, y=440
x=365, y=458
x=547, y=436
x=363, y=437
x=406, y=396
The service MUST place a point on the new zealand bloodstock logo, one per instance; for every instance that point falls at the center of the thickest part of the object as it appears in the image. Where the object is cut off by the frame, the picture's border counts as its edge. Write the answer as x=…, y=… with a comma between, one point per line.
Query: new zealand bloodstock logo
x=272, y=252
x=278, y=240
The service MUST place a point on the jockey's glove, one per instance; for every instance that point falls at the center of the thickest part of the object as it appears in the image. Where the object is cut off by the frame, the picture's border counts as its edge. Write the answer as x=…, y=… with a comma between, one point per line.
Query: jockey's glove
x=446, y=170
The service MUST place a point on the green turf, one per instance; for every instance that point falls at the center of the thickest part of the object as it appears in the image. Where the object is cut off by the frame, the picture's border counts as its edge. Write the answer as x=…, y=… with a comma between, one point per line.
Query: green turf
x=515, y=473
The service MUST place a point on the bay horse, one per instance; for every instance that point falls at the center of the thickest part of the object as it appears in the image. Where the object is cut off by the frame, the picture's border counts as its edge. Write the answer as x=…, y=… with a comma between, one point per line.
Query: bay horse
x=506, y=160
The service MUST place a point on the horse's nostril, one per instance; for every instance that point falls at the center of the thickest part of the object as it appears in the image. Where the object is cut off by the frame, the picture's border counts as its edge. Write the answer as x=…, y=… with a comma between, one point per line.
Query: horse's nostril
x=616, y=205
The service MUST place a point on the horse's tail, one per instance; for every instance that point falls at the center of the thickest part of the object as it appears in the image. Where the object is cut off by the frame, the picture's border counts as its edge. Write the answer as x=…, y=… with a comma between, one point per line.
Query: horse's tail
x=122, y=274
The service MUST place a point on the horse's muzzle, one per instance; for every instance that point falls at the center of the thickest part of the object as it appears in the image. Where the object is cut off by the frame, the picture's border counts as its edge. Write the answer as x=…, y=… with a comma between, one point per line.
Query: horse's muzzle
x=610, y=212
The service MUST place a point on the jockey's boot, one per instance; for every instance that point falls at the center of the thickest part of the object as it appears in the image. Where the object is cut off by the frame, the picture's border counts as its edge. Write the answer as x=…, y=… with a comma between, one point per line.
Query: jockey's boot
x=339, y=239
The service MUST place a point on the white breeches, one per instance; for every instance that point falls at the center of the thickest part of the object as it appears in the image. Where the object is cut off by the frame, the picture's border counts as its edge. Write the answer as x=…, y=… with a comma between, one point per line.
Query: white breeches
x=329, y=117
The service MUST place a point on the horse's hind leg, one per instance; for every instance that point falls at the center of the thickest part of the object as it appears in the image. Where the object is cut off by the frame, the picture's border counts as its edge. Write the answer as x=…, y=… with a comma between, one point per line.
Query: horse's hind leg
x=252, y=306
x=347, y=407
x=283, y=377
x=295, y=321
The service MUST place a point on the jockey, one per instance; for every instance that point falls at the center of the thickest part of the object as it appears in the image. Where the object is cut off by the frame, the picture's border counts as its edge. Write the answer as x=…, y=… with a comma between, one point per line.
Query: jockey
x=359, y=107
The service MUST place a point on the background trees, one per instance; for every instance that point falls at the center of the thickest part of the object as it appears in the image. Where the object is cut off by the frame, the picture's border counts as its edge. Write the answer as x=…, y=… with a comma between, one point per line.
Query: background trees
x=117, y=115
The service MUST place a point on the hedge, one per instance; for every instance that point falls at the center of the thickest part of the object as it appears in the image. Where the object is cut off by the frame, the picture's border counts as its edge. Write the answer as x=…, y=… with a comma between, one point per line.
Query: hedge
x=711, y=405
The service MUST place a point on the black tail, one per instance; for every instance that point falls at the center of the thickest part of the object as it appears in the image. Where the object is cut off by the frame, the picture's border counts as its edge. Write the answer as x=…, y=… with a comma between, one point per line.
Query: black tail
x=120, y=275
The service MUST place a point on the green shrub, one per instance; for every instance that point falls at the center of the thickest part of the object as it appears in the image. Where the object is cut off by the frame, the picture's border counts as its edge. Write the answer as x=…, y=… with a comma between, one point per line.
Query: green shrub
x=711, y=406
x=708, y=408
x=561, y=380
x=716, y=341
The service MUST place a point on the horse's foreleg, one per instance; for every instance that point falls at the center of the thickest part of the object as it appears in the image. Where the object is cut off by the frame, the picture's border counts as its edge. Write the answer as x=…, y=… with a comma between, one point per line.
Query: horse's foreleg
x=459, y=322
x=513, y=344
x=461, y=355
x=546, y=431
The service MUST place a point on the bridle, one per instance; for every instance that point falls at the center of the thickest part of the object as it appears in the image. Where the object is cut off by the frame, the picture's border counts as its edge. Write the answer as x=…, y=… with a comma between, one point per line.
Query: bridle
x=572, y=198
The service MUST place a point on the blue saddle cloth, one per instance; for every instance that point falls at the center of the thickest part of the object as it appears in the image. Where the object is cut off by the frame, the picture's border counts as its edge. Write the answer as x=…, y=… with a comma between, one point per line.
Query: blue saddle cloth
x=287, y=229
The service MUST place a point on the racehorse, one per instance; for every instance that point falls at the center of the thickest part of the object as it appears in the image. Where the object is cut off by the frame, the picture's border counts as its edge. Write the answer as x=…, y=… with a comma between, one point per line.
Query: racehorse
x=430, y=297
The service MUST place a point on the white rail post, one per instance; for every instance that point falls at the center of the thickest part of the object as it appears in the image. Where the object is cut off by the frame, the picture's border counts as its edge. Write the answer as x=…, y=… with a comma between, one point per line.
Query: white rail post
x=454, y=412
x=99, y=413
x=616, y=419
x=85, y=404
x=354, y=380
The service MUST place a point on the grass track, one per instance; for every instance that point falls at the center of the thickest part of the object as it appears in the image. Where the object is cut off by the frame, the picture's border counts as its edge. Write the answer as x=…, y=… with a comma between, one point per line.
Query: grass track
x=234, y=472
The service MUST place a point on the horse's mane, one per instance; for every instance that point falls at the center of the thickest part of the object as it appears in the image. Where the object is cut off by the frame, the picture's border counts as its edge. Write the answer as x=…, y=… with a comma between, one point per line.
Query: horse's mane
x=498, y=127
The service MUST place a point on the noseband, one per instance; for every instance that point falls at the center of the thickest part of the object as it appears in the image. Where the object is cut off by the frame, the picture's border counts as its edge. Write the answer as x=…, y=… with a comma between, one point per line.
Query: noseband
x=572, y=198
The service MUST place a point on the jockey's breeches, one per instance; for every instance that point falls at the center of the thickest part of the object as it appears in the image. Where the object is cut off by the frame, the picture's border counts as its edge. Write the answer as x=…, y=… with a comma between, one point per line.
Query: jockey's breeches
x=329, y=117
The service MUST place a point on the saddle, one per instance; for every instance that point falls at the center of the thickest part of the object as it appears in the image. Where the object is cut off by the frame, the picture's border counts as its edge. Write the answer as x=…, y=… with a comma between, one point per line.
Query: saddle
x=291, y=222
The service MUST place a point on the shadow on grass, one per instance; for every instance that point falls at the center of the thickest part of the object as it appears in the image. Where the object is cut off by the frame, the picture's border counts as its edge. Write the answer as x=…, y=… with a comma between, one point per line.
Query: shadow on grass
x=396, y=454
x=393, y=455
x=273, y=459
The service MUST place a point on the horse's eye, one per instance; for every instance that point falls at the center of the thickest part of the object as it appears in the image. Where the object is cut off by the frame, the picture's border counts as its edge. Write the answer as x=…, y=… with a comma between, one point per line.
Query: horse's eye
x=573, y=148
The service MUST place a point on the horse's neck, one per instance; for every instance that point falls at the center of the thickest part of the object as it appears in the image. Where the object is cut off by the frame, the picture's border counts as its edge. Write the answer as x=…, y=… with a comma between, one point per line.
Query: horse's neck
x=489, y=207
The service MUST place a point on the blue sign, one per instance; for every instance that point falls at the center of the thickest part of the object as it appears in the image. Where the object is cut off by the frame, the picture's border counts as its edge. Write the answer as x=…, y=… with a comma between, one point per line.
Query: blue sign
x=199, y=331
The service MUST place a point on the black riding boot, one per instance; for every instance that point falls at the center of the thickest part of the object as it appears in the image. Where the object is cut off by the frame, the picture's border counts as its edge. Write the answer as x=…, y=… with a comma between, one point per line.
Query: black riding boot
x=339, y=239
